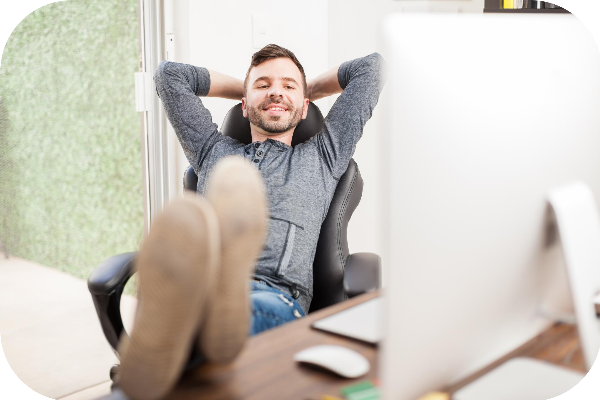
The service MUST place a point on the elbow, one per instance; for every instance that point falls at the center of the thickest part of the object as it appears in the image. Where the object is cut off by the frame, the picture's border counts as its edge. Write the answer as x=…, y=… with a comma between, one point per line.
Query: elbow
x=372, y=62
x=162, y=70
x=375, y=59
x=377, y=67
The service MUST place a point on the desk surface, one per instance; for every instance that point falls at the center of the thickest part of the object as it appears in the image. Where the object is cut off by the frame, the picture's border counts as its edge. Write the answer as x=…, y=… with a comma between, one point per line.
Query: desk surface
x=265, y=368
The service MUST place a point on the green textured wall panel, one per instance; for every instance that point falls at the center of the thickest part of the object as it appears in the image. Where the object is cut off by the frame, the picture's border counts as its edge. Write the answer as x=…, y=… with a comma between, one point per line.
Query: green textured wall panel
x=70, y=165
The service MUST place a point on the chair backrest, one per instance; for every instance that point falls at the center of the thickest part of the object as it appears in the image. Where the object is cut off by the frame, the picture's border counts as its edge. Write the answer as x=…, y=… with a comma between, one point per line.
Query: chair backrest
x=332, y=248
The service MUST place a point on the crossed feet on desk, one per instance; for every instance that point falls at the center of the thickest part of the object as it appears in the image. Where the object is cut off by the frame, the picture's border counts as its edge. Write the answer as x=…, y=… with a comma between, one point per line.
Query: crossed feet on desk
x=193, y=271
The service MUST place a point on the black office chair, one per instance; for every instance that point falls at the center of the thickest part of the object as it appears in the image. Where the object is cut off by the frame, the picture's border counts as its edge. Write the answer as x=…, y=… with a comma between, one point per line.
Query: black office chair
x=337, y=275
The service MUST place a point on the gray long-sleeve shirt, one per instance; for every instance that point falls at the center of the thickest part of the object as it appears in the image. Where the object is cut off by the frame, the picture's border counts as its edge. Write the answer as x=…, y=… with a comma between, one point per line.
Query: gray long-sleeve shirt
x=300, y=180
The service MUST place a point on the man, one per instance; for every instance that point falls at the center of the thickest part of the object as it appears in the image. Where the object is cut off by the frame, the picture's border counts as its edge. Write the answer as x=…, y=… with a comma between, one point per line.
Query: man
x=260, y=217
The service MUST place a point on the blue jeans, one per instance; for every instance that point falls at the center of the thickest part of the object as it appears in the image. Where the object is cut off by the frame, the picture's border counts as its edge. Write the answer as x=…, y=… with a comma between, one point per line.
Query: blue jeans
x=270, y=308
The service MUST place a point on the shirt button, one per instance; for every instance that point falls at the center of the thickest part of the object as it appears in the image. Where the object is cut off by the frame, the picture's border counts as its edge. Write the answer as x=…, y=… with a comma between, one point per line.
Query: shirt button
x=255, y=160
x=257, y=145
x=259, y=153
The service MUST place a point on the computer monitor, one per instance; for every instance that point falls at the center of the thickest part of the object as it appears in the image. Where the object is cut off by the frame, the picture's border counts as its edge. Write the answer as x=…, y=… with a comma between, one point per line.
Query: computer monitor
x=486, y=113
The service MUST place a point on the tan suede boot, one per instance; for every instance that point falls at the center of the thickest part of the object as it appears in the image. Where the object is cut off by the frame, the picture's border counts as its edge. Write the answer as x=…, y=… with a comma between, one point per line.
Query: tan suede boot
x=238, y=195
x=176, y=268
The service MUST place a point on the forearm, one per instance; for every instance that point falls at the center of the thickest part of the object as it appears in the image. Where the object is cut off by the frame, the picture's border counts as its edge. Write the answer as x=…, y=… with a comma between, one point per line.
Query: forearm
x=324, y=85
x=225, y=86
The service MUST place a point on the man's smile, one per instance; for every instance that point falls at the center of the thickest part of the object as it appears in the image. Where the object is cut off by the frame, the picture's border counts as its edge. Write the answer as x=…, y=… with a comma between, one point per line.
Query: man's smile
x=275, y=109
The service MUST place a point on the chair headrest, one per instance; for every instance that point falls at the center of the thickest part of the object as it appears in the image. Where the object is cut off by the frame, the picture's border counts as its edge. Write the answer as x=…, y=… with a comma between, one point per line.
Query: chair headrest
x=238, y=127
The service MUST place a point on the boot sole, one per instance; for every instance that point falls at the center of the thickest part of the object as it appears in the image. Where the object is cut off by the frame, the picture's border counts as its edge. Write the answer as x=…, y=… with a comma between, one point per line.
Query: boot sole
x=176, y=266
x=238, y=195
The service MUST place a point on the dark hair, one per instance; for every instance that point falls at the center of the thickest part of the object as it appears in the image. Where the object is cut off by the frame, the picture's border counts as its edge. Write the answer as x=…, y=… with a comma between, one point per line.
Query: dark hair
x=270, y=52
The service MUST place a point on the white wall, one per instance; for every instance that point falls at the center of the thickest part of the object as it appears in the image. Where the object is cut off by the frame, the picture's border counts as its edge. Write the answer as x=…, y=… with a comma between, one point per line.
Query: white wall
x=322, y=34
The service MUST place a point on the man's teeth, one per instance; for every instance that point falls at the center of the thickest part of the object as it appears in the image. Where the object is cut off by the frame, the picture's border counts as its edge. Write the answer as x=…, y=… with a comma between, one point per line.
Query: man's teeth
x=277, y=109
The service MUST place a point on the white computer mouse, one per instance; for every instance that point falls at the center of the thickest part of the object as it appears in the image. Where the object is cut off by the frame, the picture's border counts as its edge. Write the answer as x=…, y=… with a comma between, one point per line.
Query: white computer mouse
x=337, y=359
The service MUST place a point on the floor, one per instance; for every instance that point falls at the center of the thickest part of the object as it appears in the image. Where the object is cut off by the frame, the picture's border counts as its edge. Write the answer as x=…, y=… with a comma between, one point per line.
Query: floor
x=50, y=331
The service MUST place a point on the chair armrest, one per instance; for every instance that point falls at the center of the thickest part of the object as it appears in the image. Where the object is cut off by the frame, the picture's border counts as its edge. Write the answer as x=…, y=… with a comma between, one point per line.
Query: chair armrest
x=362, y=273
x=106, y=284
x=111, y=274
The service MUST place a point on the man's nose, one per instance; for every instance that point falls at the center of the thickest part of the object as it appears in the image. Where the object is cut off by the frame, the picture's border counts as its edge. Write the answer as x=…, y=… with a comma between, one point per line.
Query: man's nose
x=275, y=92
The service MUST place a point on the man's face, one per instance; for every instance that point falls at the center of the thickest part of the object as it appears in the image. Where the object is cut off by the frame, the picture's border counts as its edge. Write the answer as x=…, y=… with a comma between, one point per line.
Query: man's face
x=275, y=101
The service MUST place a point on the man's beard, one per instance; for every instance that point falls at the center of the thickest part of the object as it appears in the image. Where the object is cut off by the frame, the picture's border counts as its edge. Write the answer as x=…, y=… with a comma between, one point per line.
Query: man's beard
x=274, y=123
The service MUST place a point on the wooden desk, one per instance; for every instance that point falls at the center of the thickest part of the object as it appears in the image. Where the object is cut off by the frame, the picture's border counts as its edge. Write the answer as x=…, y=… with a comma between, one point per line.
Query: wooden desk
x=265, y=369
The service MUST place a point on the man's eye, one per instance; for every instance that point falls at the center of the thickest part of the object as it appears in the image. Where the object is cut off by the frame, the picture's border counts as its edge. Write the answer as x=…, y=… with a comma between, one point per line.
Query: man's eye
x=290, y=87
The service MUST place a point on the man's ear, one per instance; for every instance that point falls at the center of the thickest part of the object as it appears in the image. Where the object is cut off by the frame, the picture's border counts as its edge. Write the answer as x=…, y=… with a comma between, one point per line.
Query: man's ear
x=305, y=108
x=244, y=109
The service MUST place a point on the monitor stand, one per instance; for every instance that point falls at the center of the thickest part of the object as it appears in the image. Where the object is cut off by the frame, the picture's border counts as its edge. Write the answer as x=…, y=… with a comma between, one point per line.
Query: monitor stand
x=521, y=378
x=579, y=230
x=578, y=225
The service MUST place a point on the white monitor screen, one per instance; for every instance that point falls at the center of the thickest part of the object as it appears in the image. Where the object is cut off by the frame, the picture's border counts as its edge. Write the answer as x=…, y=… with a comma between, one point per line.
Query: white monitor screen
x=485, y=115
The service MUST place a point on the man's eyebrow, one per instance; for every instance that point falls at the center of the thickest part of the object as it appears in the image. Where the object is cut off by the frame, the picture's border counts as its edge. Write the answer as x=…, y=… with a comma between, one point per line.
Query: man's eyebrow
x=270, y=78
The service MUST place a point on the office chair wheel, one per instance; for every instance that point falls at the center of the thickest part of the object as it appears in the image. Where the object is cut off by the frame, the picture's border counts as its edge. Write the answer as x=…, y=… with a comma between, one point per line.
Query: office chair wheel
x=114, y=370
